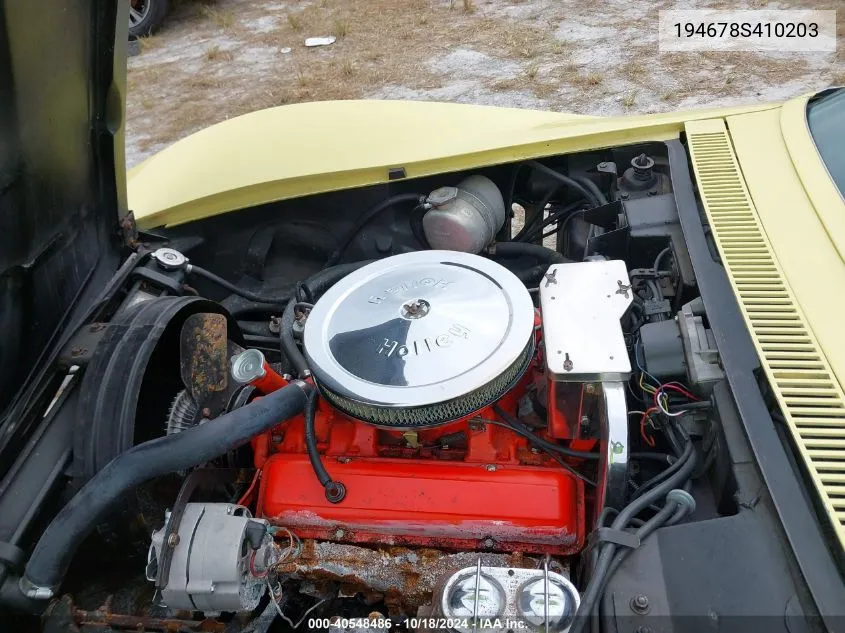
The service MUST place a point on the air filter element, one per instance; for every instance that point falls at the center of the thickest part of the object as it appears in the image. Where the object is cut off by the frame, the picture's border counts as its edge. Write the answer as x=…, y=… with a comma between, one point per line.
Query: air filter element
x=420, y=339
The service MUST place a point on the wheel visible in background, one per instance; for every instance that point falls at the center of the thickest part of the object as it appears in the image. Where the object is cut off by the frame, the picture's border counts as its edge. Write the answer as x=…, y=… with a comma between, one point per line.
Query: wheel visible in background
x=145, y=16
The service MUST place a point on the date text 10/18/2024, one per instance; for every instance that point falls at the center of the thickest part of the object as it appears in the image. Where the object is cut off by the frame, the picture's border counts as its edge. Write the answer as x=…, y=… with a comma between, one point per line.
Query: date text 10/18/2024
x=430, y=624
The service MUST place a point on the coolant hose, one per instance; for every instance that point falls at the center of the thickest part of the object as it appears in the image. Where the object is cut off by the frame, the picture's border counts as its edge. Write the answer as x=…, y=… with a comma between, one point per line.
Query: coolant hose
x=335, y=491
x=57, y=545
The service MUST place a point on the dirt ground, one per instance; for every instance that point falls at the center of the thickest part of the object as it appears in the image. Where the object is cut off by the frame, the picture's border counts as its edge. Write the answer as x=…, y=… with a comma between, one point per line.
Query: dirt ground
x=215, y=60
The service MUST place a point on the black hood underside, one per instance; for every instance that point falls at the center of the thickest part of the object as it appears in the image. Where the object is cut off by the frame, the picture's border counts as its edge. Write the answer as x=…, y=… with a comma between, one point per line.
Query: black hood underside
x=62, y=171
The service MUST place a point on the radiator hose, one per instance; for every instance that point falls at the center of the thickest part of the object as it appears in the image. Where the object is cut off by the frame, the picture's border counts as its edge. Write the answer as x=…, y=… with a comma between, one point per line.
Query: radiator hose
x=55, y=549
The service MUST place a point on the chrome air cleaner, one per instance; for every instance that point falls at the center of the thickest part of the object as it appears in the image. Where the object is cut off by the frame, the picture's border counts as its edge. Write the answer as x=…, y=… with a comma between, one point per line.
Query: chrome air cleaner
x=420, y=339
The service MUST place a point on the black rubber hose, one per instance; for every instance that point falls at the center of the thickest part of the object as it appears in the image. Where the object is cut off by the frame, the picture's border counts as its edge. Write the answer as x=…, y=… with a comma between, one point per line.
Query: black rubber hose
x=529, y=227
x=566, y=180
x=531, y=276
x=520, y=429
x=543, y=446
x=319, y=282
x=288, y=343
x=605, y=558
x=594, y=189
x=171, y=453
x=509, y=250
x=335, y=491
x=553, y=218
x=314, y=286
x=246, y=294
x=367, y=218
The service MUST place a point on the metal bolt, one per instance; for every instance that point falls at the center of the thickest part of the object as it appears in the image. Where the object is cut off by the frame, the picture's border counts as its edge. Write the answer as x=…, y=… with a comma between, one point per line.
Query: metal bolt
x=488, y=542
x=96, y=327
x=589, y=388
x=491, y=468
x=275, y=325
x=535, y=451
x=276, y=439
x=343, y=460
x=585, y=421
x=76, y=351
x=173, y=540
x=338, y=533
x=639, y=604
x=206, y=412
x=624, y=196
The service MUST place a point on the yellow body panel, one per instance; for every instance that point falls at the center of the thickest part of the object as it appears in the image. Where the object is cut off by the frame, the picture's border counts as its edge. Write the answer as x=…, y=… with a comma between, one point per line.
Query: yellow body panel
x=752, y=206
x=806, y=251
x=301, y=149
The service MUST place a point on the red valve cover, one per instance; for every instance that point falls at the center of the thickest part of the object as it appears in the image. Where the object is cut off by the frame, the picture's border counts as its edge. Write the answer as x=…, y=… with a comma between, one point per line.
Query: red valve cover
x=415, y=502
x=485, y=491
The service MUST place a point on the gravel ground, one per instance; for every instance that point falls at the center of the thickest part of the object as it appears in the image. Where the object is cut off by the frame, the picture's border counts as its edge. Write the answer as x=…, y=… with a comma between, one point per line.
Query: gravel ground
x=213, y=61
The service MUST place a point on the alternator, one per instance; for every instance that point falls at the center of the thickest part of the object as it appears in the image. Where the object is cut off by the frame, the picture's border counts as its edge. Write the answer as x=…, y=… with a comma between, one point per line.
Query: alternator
x=219, y=561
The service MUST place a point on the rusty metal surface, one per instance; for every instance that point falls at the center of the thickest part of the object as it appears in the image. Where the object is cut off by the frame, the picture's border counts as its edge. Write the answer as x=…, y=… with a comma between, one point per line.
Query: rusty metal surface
x=404, y=578
x=203, y=351
x=64, y=616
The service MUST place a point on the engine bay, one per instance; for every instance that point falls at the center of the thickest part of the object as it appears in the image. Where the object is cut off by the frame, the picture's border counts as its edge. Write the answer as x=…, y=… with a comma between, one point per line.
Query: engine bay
x=504, y=385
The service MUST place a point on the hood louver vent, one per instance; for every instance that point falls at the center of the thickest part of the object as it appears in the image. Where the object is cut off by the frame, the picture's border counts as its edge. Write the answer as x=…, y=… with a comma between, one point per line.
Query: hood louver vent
x=809, y=395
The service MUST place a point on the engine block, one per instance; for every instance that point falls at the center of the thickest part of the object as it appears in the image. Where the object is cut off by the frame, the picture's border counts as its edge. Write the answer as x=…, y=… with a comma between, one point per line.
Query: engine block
x=467, y=485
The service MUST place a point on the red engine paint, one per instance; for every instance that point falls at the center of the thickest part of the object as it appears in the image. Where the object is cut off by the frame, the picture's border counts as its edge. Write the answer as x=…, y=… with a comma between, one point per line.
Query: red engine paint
x=456, y=505
x=464, y=485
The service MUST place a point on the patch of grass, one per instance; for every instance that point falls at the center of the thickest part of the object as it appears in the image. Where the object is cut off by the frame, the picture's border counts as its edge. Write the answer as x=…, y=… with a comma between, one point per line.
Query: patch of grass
x=629, y=100
x=223, y=18
x=347, y=67
x=340, y=28
x=558, y=47
x=505, y=85
x=531, y=71
x=215, y=53
x=294, y=22
x=590, y=80
x=467, y=6
x=521, y=45
x=544, y=89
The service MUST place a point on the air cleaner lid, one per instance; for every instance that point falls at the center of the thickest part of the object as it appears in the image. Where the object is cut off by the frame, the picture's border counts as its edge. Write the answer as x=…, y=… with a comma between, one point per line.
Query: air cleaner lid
x=418, y=329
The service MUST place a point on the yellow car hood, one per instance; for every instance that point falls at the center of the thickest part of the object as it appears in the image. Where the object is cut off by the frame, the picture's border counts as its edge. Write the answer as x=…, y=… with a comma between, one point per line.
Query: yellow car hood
x=301, y=149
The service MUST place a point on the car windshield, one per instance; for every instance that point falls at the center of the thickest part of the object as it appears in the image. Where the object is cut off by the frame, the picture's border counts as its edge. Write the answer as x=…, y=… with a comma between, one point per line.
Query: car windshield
x=826, y=118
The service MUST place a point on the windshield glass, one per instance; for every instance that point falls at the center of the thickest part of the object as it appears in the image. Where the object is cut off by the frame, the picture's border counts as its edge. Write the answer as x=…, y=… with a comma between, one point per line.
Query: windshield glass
x=826, y=118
